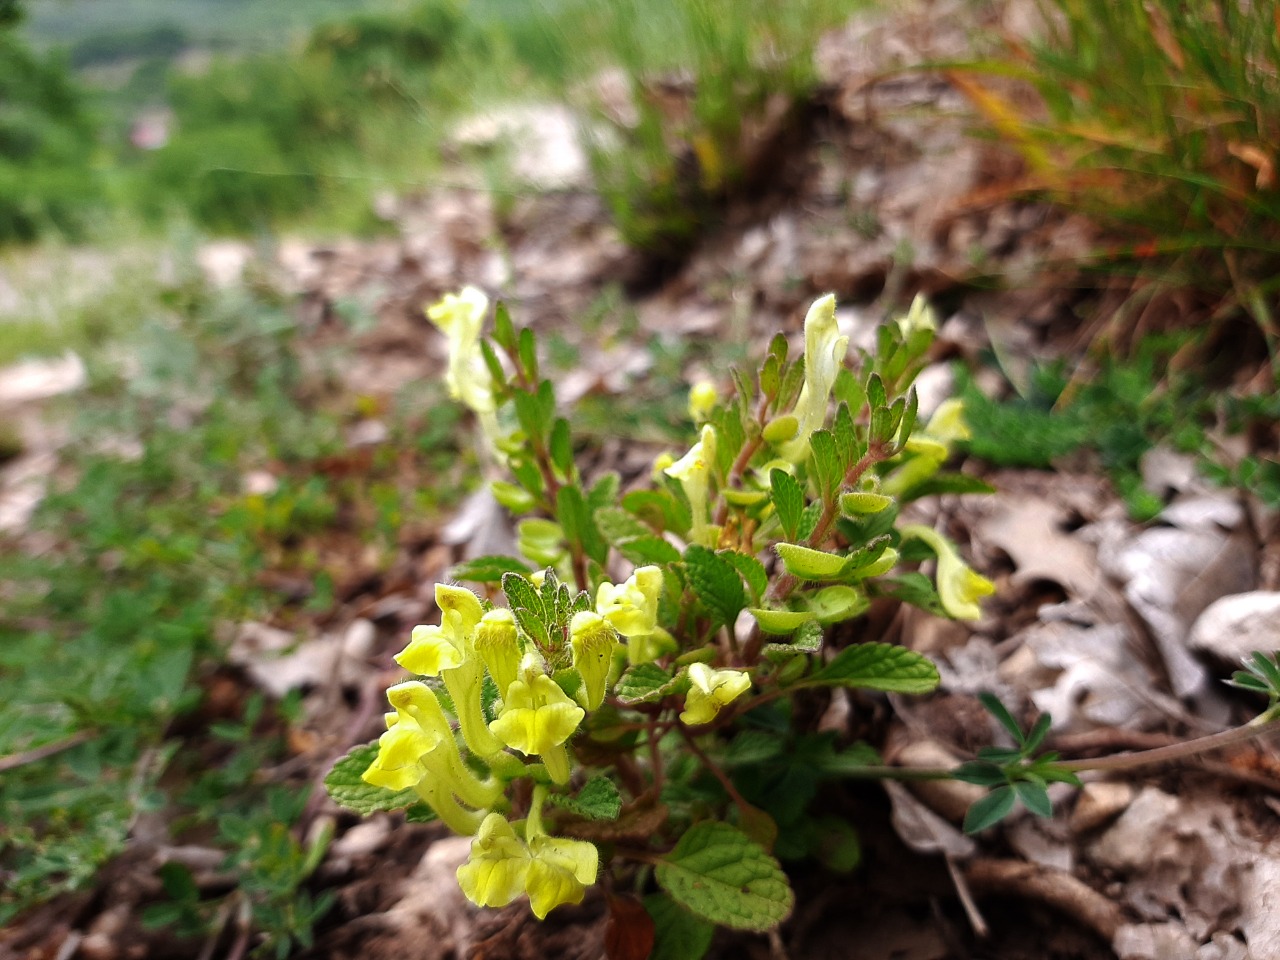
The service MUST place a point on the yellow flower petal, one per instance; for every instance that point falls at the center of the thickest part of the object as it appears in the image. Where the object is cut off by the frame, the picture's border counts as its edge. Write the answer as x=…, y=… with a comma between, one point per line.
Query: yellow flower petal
x=593, y=640
x=959, y=587
x=398, y=764
x=536, y=716
x=496, y=871
x=430, y=651
x=559, y=872
x=710, y=690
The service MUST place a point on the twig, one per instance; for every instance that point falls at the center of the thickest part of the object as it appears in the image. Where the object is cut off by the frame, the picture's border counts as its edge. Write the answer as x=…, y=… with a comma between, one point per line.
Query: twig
x=36, y=754
x=715, y=771
x=1053, y=887
x=976, y=920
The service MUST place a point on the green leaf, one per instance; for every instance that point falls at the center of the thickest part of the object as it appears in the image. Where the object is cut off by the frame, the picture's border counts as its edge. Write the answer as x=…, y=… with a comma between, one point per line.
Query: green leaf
x=716, y=582
x=579, y=526
x=488, y=569
x=658, y=508
x=981, y=772
x=941, y=483
x=788, y=500
x=348, y=790
x=649, y=549
x=807, y=639
x=780, y=622
x=723, y=877
x=678, y=934
x=526, y=605
x=876, y=396
x=597, y=800
x=561, y=447
x=809, y=520
x=752, y=571
x=753, y=746
x=838, y=603
x=618, y=525
x=835, y=844
x=419, y=813
x=1034, y=797
x=1002, y=714
x=990, y=810
x=915, y=589
x=504, y=333
x=825, y=463
x=879, y=666
x=644, y=683
x=809, y=564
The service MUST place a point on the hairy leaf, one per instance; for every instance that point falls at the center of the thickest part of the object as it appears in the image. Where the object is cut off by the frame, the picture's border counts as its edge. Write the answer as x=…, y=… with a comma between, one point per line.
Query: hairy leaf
x=719, y=874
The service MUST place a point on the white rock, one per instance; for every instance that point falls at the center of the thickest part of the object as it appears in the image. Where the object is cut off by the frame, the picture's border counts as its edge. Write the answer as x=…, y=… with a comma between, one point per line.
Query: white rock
x=1099, y=803
x=41, y=379
x=1235, y=626
x=1131, y=841
x=1260, y=906
x=1153, y=941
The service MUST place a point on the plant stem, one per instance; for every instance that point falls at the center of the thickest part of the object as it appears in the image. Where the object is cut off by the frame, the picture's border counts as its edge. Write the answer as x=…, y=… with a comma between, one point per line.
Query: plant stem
x=715, y=771
x=1132, y=760
x=1179, y=751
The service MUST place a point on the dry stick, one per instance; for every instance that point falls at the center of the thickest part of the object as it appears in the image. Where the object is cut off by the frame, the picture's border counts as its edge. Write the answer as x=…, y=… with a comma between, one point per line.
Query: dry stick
x=15, y=760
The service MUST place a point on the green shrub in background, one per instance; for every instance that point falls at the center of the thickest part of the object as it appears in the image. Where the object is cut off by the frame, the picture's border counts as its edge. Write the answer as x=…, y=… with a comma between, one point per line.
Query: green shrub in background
x=47, y=143
x=261, y=139
x=1161, y=118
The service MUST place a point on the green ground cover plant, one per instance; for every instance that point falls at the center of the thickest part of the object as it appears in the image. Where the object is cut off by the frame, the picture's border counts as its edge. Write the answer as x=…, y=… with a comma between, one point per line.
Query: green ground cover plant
x=635, y=731
x=1129, y=406
x=110, y=636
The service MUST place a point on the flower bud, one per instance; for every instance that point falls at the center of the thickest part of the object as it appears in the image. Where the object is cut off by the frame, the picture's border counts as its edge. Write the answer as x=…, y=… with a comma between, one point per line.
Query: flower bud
x=781, y=429
x=702, y=400
x=593, y=640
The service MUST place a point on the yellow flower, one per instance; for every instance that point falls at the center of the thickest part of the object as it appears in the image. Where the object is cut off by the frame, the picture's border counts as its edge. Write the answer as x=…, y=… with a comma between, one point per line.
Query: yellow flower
x=537, y=718
x=494, y=874
x=959, y=586
x=648, y=647
x=448, y=651
x=929, y=448
x=460, y=317
x=693, y=470
x=710, y=690
x=824, y=353
x=559, y=872
x=398, y=765
x=593, y=640
x=702, y=400
x=632, y=606
x=919, y=318
x=498, y=643
x=551, y=870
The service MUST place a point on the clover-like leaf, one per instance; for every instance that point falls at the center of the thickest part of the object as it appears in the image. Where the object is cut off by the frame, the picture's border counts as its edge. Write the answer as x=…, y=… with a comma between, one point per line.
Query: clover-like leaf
x=990, y=810
x=722, y=876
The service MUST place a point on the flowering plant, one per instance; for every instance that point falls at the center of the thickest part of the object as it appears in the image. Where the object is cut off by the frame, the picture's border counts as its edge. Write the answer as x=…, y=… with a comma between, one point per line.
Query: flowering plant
x=621, y=691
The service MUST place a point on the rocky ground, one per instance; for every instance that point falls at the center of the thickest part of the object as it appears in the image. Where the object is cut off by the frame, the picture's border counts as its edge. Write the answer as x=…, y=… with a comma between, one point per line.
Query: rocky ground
x=1121, y=631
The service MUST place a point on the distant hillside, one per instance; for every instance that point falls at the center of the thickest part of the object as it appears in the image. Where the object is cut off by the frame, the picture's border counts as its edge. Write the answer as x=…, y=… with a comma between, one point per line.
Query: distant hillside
x=101, y=32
